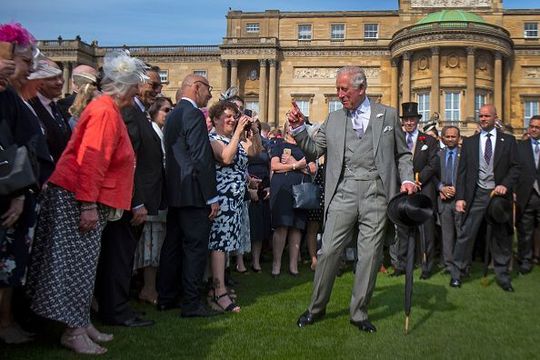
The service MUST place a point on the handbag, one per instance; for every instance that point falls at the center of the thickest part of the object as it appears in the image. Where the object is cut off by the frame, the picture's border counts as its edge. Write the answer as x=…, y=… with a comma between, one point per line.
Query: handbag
x=306, y=196
x=16, y=171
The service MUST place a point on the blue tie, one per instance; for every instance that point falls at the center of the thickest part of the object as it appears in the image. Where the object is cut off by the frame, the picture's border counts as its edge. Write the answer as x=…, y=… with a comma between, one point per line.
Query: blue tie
x=450, y=168
x=488, y=150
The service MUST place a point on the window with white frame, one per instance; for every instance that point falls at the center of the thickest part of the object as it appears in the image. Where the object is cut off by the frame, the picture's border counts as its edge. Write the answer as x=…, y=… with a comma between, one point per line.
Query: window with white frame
x=304, y=32
x=334, y=105
x=337, y=32
x=452, y=105
x=303, y=105
x=164, y=76
x=202, y=73
x=531, y=108
x=253, y=27
x=423, y=105
x=530, y=30
x=480, y=99
x=371, y=31
x=252, y=105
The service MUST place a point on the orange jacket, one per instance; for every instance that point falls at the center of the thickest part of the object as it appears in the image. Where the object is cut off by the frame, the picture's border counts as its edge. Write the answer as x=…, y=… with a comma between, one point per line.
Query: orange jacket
x=98, y=163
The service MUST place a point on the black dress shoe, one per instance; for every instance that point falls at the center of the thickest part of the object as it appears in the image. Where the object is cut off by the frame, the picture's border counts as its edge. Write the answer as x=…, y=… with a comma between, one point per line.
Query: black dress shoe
x=134, y=322
x=455, y=283
x=165, y=307
x=398, y=272
x=308, y=318
x=524, y=270
x=365, y=325
x=507, y=287
x=201, y=312
x=425, y=275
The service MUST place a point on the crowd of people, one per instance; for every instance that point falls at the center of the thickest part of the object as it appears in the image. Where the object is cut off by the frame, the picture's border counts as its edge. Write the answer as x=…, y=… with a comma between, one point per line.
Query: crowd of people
x=123, y=180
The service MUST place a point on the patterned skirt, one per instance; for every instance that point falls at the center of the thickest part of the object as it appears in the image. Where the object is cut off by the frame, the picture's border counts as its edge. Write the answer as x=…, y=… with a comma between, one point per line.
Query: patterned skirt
x=63, y=264
x=149, y=246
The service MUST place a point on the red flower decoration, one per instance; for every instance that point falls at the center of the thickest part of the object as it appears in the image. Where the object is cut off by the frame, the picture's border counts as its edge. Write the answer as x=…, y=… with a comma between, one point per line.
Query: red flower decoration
x=15, y=32
x=421, y=138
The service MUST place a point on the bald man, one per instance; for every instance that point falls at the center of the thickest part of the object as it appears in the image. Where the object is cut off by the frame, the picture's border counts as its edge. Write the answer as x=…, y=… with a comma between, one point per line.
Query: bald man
x=192, y=200
x=487, y=167
x=65, y=103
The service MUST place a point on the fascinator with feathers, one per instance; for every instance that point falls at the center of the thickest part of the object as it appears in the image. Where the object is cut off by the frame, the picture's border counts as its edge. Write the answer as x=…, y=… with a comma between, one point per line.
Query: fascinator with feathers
x=229, y=94
x=120, y=67
x=16, y=33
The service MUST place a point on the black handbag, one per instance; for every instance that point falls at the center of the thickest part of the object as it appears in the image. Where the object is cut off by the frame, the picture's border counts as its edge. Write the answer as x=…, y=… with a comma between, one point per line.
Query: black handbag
x=306, y=196
x=16, y=172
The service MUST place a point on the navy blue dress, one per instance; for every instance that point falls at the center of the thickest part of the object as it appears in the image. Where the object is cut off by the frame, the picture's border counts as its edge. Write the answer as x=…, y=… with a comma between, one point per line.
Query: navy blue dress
x=281, y=199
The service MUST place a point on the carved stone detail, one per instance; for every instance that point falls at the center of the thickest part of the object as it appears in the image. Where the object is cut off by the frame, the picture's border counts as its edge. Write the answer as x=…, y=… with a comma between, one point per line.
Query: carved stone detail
x=248, y=51
x=337, y=53
x=450, y=3
x=372, y=73
x=452, y=61
x=530, y=72
x=423, y=63
x=482, y=63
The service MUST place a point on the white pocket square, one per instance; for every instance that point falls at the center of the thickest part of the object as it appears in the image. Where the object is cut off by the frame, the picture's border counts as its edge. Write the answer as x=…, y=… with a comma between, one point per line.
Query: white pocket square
x=380, y=115
x=388, y=128
x=424, y=147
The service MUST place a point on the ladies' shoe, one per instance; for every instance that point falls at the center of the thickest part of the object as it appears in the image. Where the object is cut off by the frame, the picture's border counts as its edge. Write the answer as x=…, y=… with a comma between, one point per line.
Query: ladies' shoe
x=81, y=344
x=275, y=276
x=98, y=336
x=294, y=274
x=255, y=270
x=11, y=335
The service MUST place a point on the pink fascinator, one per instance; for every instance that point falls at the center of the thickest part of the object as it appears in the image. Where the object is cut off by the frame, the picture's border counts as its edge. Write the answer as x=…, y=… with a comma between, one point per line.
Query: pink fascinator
x=16, y=33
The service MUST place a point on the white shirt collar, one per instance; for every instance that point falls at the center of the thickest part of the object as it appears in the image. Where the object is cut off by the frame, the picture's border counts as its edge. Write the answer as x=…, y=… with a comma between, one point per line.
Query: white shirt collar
x=493, y=132
x=363, y=108
x=139, y=104
x=191, y=101
x=44, y=100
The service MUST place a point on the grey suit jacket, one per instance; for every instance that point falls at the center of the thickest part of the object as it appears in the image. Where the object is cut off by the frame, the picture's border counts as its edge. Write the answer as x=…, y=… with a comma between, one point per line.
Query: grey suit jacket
x=392, y=156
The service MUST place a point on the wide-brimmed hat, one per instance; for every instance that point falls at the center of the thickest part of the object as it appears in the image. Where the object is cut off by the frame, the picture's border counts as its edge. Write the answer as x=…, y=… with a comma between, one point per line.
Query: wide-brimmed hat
x=499, y=210
x=410, y=109
x=410, y=210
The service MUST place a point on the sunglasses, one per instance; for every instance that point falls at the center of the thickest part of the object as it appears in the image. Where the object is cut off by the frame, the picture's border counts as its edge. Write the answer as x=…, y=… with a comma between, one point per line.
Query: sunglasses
x=210, y=88
x=166, y=110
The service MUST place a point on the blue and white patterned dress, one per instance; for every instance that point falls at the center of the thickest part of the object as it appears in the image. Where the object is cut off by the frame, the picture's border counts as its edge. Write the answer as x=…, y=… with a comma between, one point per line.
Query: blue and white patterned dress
x=231, y=186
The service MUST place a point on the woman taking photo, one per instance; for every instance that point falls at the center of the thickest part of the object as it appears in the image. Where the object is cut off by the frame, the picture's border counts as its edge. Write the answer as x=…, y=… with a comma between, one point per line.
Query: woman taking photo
x=231, y=154
x=93, y=176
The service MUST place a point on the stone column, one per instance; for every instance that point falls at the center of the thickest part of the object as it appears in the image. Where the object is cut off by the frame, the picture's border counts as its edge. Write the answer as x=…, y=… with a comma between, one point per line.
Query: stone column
x=497, y=91
x=234, y=72
x=406, y=83
x=471, y=76
x=262, y=90
x=435, y=81
x=507, y=113
x=272, y=119
x=394, y=96
x=224, y=75
x=66, y=72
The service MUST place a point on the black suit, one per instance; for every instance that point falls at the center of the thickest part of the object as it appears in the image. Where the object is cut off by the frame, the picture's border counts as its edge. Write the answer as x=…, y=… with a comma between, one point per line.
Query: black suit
x=65, y=103
x=426, y=165
x=57, y=130
x=528, y=203
x=191, y=183
x=505, y=172
x=120, y=239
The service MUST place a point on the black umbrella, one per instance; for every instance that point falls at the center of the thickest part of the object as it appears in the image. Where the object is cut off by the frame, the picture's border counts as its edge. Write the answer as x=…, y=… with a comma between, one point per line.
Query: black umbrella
x=487, y=254
x=409, y=279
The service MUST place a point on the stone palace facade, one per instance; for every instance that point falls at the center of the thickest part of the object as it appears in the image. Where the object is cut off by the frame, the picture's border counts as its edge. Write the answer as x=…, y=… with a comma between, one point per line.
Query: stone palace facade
x=450, y=56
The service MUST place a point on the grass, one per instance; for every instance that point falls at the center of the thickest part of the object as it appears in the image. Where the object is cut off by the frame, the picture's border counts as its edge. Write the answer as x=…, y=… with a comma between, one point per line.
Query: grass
x=473, y=322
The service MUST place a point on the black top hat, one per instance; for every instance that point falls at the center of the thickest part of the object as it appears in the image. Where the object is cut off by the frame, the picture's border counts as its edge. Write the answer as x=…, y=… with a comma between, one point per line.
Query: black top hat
x=499, y=210
x=409, y=210
x=410, y=109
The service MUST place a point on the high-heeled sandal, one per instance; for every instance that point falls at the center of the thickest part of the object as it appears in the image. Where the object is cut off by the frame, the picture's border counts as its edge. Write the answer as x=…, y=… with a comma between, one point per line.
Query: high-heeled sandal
x=232, y=307
x=81, y=344
x=97, y=336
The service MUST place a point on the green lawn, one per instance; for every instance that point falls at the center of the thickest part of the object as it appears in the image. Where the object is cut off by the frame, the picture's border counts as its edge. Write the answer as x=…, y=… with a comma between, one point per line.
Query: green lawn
x=473, y=322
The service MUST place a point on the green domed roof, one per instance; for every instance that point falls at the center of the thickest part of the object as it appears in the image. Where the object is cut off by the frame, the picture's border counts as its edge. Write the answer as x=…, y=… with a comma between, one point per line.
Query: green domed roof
x=451, y=15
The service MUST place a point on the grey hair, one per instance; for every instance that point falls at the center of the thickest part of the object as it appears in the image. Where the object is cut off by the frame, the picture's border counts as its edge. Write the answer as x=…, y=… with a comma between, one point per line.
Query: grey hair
x=114, y=88
x=358, y=76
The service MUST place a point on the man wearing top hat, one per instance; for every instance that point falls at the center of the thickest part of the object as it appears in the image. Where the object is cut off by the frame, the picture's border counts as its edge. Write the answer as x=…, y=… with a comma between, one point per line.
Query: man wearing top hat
x=365, y=155
x=488, y=167
x=528, y=194
x=425, y=166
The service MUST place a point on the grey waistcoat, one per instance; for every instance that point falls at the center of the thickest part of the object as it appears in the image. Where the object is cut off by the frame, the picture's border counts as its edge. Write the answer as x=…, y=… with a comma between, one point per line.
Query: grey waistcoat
x=486, y=177
x=359, y=161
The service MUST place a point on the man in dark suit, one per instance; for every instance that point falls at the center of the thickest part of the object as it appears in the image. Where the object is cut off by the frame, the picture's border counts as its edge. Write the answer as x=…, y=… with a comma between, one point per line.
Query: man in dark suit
x=192, y=200
x=120, y=238
x=446, y=201
x=528, y=194
x=425, y=167
x=487, y=167
x=44, y=104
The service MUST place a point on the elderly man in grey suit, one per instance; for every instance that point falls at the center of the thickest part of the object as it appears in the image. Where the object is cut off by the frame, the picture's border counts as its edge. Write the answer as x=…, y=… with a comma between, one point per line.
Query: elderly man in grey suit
x=366, y=154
